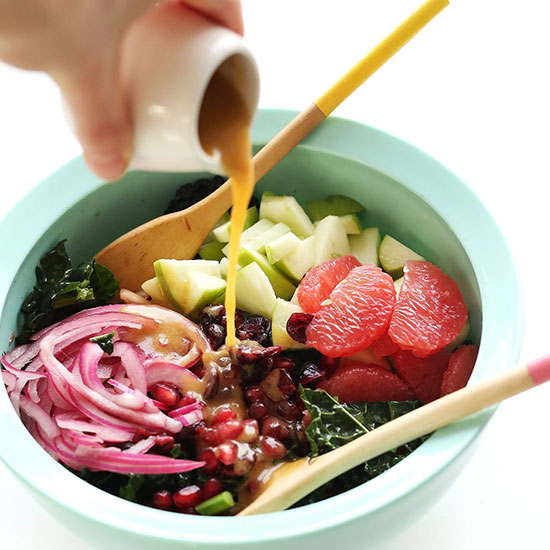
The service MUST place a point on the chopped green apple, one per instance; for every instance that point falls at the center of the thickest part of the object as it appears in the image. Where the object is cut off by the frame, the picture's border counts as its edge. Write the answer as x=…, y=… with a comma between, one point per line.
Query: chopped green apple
x=286, y=209
x=280, y=247
x=211, y=251
x=173, y=274
x=295, y=264
x=254, y=231
x=282, y=286
x=223, y=232
x=254, y=291
x=210, y=237
x=202, y=289
x=153, y=289
x=331, y=240
x=365, y=246
x=393, y=255
x=282, y=311
x=333, y=205
x=351, y=223
x=259, y=243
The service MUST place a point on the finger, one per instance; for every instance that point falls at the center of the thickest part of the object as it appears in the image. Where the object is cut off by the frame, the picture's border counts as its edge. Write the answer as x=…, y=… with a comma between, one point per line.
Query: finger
x=226, y=12
x=101, y=118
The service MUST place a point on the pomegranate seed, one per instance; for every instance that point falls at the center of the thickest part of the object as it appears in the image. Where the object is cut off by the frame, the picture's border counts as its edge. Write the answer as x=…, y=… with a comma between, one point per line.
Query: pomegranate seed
x=250, y=431
x=208, y=435
x=164, y=441
x=289, y=410
x=162, y=500
x=223, y=414
x=227, y=452
x=274, y=427
x=211, y=488
x=166, y=393
x=306, y=420
x=296, y=326
x=253, y=393
x=231, y=429
x=273, y=447
x=188, y=496
x=258, y=410
x=208, y=456
x=185, y=400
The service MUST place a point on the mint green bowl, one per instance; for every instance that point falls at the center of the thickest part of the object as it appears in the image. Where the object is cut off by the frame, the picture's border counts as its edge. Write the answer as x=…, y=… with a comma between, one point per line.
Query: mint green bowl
x=406, y=193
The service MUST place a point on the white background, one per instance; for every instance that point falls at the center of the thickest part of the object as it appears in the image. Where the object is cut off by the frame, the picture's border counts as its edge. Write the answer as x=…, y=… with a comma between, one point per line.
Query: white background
x=473, y=91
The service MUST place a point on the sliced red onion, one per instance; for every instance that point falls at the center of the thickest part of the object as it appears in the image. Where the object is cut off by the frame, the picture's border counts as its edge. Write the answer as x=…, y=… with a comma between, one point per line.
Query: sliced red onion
x=196, y=405
x=58, y=383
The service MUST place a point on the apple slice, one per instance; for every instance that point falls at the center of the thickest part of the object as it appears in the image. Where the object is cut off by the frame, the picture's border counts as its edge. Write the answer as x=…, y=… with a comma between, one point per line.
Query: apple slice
x=365, y=246
x=260, y=227
x=287, y=210
x=331, y=240
x=153, y=289
x=296, y=263
x=281, y=247
x=202, y=289
x=281, y=285
x=351, y=223
x=223, y=232
x=254, y=291
x=333, y=205
x=393, y=255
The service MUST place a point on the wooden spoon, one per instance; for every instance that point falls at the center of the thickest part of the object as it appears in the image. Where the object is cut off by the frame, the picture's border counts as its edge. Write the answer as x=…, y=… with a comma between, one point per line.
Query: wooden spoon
x=294, y=480
x=179, y=235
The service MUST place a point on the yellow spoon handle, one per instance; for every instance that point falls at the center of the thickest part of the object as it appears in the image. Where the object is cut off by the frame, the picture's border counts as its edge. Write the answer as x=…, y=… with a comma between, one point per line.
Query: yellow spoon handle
x=378, y=56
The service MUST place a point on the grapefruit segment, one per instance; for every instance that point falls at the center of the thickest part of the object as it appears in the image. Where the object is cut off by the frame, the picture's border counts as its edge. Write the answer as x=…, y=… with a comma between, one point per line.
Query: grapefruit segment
x=422, y=374
x=355, y=382
x=461, y=365
x=320, y=281
x=430, y=311
x=357, y=313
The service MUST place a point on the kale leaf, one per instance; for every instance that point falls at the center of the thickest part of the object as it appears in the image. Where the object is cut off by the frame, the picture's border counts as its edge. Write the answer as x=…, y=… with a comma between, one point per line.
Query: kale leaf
x=62, y=290
x=334, y=424
x=105, y=342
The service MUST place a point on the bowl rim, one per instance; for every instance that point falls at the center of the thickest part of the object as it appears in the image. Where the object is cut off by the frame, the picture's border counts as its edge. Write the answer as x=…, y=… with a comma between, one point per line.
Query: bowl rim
x=454, y=201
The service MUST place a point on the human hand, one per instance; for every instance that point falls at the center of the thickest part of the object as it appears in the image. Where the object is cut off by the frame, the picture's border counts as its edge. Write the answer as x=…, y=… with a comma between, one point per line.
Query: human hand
x=78, y=43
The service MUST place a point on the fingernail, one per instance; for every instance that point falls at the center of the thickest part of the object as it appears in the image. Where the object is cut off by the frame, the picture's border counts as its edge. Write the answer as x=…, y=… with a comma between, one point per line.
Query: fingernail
x=110, y=166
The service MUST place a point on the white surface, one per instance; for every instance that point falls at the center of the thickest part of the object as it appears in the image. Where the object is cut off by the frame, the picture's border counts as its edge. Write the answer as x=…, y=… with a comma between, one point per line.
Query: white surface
x=471, y=90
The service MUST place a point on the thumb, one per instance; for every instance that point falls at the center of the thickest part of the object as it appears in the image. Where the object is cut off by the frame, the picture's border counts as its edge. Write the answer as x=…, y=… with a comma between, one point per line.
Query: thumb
x=101, y=118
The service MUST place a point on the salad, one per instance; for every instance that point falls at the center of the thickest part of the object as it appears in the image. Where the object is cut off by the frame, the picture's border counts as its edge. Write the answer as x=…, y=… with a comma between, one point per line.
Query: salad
x=339, y=331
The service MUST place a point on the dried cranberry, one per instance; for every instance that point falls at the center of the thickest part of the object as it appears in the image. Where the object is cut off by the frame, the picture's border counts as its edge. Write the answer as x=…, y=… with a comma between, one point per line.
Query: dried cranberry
x=249, y=354
x=311, y=373
x=257, y=329
x=289, y=410
x=253, y=393
x=258, y=410
x=216, y=335
x=282, y=362
x=188, y=496
x=274, y=427
x=296, y=326
x=214, y=313
x=286, y=385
